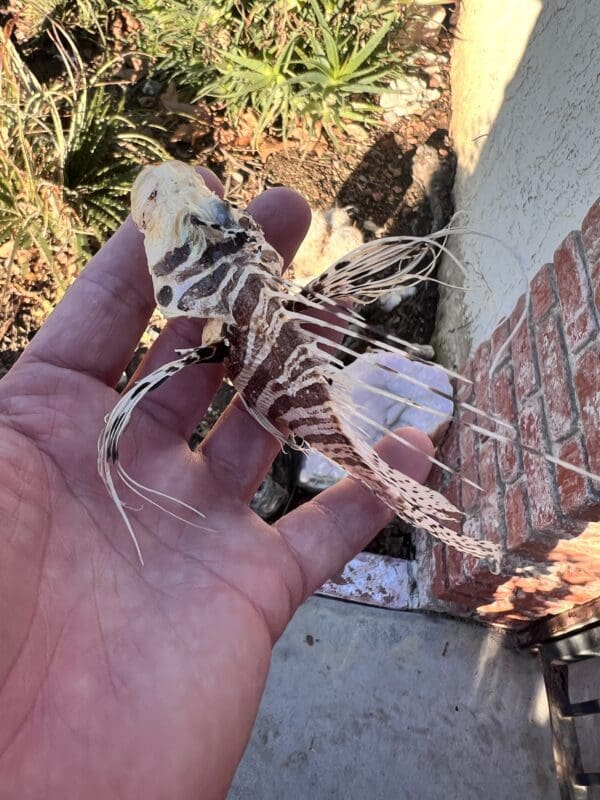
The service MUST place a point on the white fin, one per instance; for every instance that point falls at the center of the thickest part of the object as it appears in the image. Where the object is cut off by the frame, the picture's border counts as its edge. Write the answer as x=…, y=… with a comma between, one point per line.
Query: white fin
x=115, y=424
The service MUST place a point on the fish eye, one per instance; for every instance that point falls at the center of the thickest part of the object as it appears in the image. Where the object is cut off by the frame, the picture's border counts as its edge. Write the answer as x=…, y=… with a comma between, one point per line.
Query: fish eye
x=223, y=216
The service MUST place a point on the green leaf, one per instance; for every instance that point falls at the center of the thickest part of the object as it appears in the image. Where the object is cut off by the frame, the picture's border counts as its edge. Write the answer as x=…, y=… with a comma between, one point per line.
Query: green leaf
x=364, y=52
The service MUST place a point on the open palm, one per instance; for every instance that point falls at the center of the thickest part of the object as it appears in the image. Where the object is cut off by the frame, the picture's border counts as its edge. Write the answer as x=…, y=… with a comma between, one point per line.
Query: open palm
x=118, y=680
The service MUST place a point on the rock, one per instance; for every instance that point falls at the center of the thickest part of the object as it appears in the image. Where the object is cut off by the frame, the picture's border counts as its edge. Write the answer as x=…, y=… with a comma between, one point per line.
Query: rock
x=396, y=375
x=392, y=300
x=357, y=132
x=424, y=27
x=408, y=95
x=151, y=88
x=270, y=497
x=331, y=235
x=275, y=492
x=318, y=473
x=422, y=58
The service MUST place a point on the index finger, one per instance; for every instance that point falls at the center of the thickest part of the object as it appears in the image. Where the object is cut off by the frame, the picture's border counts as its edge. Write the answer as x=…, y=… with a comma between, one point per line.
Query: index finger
x=98, y=323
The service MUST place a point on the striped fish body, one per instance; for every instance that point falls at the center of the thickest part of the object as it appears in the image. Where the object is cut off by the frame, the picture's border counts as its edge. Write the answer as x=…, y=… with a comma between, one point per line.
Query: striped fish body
x=210, y=261
x=280, y=371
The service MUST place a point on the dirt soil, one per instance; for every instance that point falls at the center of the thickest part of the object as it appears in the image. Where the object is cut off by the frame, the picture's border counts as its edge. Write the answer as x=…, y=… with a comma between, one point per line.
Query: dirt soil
x=371, y=173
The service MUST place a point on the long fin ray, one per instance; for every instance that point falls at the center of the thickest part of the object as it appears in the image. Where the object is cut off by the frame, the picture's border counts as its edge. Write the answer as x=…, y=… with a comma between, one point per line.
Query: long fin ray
x=421, y=506
x=117, y=421
x=491, y=418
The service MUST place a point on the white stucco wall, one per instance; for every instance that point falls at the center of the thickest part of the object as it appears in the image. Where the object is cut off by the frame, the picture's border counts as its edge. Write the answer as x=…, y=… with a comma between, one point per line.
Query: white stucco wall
x=526, y=128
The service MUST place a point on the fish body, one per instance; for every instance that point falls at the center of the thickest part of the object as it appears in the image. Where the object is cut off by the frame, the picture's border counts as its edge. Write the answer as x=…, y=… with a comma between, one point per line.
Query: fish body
x=286, y=376
x=211, y=261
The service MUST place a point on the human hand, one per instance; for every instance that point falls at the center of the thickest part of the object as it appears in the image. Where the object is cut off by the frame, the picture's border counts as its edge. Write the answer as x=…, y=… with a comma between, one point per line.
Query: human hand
x=118, y=680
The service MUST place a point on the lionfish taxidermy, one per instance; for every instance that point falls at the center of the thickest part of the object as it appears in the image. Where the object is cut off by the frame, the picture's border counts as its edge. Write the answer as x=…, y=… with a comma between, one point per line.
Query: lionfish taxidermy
x=211, y=261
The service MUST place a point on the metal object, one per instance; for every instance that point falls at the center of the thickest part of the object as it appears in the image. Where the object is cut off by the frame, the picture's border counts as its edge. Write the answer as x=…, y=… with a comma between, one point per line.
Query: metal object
x=556, y=656
x=574, y=619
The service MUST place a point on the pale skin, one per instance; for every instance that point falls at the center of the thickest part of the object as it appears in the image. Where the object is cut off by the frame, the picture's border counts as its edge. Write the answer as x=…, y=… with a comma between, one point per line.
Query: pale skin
x=123, y=681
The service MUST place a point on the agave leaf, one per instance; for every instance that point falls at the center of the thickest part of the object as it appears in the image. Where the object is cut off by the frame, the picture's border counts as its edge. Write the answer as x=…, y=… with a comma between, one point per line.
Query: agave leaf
x=364, y=52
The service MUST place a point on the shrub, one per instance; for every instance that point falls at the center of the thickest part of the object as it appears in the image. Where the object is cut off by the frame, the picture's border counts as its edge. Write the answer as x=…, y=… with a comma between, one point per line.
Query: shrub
x=30, y=17
x=305, y=64
x=67, y=158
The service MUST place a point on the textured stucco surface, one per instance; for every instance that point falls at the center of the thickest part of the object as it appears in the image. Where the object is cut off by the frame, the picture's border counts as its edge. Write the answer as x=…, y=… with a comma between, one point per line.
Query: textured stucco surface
x=526, y=128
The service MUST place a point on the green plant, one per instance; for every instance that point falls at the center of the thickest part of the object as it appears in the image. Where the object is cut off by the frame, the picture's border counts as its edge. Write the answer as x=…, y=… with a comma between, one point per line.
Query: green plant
x=262, y=84
x=179, y=35
x=295, y=63
x=30, y=17
x=67, y=158
x=335, y=67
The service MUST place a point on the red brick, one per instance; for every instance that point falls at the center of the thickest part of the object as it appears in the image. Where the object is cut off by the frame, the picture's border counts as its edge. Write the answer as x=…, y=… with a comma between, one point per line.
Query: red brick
x=521, y=537
x=437, y=479
x=465, y=391
x=560, y=413
x=576, y=497
x=515, y=512
x=498, y=338
x=491, y=510
x=450, y=447
x=532, y=424
x=542, y=292
x=454, y=561
x=508, y=461
x=574, y=292
x=469, y=463
x=453, y=490
x=478, y=581
x=544, y=514
x=522, y=354
x=452, y=586
x=505, y=406
x=439, y=581
x=587, y=387
x=469, y=576
x=540, y=479
x=590, y=234
x=481, y=380
x=503, y=399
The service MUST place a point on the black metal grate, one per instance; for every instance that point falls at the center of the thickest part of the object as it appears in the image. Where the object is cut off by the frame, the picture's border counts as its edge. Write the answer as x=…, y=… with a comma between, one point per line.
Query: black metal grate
x=556, y=656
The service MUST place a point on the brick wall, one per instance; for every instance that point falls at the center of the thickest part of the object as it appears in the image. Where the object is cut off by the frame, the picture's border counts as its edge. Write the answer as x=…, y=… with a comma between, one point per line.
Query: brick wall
x=547, y=382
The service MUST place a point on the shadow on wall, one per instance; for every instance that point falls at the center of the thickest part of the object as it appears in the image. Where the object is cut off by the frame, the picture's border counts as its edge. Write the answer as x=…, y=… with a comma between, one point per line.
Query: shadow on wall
x=528, y=177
